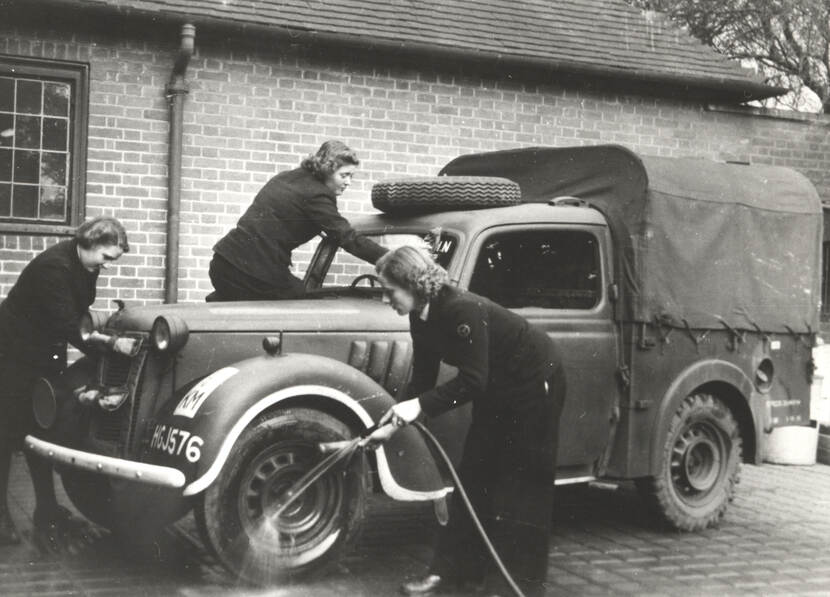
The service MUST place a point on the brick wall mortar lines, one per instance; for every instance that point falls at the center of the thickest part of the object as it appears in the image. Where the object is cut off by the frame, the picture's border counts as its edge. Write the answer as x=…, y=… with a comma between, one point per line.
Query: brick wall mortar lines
x=251, y=114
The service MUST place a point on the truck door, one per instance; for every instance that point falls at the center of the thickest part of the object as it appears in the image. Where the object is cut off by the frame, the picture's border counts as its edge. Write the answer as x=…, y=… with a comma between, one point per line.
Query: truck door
x=557, y=277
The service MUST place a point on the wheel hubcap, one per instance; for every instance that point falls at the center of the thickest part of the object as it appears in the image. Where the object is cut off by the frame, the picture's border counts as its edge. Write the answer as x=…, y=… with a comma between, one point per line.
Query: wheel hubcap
x=308, y=521
x=701, y=464
x=697, y=462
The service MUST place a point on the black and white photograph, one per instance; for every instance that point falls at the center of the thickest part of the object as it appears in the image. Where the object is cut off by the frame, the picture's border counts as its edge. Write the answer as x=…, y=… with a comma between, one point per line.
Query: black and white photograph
x=365, y=298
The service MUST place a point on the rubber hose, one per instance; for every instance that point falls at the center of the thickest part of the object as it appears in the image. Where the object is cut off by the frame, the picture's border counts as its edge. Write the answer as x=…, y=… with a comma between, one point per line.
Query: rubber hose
x=479, y=527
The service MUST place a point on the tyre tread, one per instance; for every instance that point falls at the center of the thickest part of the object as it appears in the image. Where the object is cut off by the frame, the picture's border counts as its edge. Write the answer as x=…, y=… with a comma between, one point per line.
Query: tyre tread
x=266, y=425
x=444, y=193
x=656, y=489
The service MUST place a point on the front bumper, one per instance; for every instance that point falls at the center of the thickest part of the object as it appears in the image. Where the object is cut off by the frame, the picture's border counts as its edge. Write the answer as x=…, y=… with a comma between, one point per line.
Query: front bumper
x=140, y=472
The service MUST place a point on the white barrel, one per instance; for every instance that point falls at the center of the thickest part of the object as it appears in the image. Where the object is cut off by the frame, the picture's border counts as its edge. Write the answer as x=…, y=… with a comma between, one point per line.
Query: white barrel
x=793, y=445
x=820, y=392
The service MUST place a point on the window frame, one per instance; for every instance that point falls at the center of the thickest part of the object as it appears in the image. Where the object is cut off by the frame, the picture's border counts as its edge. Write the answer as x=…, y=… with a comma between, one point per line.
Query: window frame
x=600, y=234
x=76, y=73
x=327, y=249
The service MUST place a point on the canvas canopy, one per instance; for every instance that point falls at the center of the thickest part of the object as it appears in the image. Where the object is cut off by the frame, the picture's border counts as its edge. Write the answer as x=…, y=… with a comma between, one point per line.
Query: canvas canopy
x=698, y=242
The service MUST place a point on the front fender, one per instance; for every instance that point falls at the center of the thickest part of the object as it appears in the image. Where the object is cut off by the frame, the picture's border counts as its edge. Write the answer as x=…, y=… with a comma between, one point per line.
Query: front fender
x=197, y=429
x=53, y=400
x=748, y=408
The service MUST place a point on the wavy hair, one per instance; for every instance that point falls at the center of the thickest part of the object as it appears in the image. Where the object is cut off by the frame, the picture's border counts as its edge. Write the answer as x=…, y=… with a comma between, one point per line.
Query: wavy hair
x=102, y=231
x=331, y=156
x=413, y=270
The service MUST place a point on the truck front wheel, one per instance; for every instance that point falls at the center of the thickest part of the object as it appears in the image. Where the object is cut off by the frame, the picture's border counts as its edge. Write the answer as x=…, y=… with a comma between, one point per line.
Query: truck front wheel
x=699, y=465
x=234, y=514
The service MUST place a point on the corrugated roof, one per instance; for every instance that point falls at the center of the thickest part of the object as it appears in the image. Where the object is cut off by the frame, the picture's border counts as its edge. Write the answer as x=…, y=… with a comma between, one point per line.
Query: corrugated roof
x=607, y=36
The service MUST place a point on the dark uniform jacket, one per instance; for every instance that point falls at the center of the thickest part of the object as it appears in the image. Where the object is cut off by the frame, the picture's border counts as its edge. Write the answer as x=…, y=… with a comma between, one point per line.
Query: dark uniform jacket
x=291, y=209
x=497, y=353
x=43, y=309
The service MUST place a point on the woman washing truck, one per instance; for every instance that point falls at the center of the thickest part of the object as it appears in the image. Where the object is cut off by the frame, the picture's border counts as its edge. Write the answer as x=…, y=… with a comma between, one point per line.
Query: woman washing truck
x=512, y=374
x=39, y=317
x=253, y=261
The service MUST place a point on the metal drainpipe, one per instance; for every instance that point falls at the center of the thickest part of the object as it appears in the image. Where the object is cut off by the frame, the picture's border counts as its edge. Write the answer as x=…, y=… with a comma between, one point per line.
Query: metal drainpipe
x=177, y=89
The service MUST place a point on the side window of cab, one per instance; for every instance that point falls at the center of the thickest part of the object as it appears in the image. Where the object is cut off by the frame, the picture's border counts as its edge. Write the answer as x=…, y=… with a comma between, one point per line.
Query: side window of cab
x=549, y=269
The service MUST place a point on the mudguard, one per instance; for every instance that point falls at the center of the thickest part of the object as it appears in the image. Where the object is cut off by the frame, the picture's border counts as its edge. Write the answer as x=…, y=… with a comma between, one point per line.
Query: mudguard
x=752, y=408
x=55, y=397
x=197, y=429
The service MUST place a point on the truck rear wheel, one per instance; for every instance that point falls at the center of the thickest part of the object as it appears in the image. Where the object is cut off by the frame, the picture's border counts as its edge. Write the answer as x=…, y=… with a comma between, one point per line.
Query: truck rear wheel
x=700, y=465
x=275, y=450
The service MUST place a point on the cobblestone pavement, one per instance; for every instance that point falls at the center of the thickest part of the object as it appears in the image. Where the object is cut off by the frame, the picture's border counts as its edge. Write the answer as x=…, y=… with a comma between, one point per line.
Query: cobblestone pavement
x=774, y=541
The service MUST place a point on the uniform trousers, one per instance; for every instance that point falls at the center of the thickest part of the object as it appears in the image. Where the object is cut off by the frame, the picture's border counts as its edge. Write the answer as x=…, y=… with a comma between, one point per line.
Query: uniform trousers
x=17, y=381
x=508, y=470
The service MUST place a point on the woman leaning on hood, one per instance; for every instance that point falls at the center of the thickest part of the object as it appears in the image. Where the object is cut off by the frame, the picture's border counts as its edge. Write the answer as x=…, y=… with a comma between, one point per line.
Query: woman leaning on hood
x=253, y=261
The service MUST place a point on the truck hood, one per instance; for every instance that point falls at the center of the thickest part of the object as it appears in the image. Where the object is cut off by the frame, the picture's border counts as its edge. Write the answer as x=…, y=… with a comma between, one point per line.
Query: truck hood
x=328, y=313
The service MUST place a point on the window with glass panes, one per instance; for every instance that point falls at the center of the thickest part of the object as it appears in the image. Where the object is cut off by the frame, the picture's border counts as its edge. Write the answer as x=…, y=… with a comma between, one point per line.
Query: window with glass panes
x=38, y=119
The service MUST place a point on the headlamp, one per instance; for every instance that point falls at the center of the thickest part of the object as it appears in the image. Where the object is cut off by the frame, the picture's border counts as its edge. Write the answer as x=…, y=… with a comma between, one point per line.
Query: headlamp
x=169, y=333
x=86, y=326
x=91, y=321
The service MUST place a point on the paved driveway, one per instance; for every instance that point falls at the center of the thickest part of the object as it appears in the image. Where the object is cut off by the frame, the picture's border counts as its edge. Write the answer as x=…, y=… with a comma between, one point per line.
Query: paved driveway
x=774, y=541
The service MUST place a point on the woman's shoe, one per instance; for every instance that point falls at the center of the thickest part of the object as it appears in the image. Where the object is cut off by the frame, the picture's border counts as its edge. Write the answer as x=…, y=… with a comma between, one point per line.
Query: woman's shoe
x=433, y=584
x=58, y=530
x=8, y=532
x=427, y=585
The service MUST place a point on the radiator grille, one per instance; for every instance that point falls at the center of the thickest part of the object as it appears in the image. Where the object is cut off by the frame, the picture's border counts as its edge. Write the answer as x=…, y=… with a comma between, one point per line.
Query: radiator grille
x=116, y=370
x=118, y=373
x=109, y=426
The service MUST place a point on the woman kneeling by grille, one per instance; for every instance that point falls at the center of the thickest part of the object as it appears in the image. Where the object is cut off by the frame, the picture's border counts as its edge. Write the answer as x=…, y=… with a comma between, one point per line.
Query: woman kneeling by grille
x=38, y=318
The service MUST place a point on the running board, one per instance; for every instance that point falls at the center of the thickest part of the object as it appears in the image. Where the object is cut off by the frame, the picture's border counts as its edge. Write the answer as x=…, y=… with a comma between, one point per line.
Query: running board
x=575, y=480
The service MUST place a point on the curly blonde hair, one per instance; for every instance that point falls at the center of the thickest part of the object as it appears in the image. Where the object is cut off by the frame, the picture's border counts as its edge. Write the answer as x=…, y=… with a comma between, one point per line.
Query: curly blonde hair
x=102, y=231
x=412, y=269
x=331, y=156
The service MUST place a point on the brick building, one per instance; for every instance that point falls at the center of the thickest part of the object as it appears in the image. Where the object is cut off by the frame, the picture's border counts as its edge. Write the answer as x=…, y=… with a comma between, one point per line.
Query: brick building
x=84, y=116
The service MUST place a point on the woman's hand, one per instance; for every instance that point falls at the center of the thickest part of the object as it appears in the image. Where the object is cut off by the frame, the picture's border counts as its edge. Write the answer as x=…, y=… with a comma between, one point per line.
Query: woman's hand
x=124, y=346
x=86, y=396
x=111, y=401
x=97, y=337
x=403, y=413
x=408, y=410
x=398, y=416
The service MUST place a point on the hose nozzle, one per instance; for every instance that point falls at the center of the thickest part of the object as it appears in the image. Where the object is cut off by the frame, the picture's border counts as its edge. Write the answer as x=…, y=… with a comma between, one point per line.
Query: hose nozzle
x=329, y=447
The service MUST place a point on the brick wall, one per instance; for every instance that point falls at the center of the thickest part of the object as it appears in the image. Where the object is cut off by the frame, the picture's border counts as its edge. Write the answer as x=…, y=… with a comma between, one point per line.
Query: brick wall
x=256, y=108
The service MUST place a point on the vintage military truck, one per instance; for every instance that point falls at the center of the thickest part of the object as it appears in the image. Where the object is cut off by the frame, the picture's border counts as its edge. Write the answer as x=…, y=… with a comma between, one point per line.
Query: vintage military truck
x=684, y=294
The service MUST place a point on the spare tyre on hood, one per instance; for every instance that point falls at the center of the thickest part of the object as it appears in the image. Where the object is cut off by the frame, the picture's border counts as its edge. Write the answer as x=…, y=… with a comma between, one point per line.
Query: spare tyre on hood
x=444, y=193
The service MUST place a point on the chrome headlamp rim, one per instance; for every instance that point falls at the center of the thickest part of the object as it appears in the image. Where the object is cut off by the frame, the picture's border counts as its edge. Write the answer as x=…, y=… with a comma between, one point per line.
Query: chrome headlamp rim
x=86, y=326
x=160, y=334
x=168, y=333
